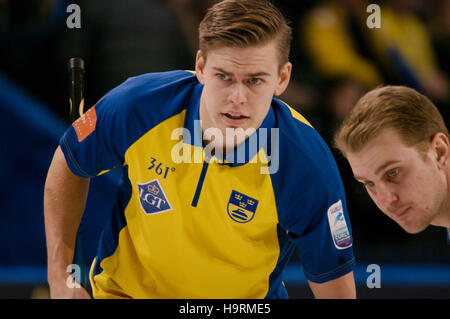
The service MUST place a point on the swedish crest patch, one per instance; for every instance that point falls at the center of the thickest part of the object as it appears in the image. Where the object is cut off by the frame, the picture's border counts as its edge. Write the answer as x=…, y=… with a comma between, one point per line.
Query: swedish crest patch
x=241, y=208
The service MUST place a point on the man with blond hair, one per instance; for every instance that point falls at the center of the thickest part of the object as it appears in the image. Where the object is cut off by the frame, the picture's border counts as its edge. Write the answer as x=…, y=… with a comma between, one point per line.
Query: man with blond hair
x=221, y=227
x=397, y=145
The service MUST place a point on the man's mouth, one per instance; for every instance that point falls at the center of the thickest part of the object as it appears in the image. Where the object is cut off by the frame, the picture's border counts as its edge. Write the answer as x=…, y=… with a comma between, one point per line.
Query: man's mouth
x=234, y=120
x=235, y=116
x=401, y=212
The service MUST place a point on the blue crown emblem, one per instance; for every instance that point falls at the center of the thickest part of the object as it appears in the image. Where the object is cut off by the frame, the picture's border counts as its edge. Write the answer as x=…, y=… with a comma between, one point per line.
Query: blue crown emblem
x=241, y=208
x=152, y=198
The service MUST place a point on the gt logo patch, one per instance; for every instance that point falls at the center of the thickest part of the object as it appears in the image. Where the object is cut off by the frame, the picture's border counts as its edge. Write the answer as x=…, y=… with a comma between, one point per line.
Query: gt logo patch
x=152, y=198
x=338, y=226
x=241, y=208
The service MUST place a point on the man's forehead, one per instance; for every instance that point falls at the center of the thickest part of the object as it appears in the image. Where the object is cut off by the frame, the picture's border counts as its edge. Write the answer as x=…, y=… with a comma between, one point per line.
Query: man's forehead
x=246, y=55
x=380, y=154
x=388, y=140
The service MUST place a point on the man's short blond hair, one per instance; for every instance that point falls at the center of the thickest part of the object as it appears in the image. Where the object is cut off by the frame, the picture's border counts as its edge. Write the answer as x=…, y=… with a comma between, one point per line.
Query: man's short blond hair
x=245, y=23
x=411, y=114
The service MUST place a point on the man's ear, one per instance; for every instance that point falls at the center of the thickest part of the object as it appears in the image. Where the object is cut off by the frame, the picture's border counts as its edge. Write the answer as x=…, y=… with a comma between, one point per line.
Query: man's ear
x=283, y=79
x=200, y=67
x=440, y=146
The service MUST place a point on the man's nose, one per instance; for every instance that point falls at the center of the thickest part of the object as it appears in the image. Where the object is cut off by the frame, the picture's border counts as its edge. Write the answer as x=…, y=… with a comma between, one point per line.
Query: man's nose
x=238, y=94
x=387, y=197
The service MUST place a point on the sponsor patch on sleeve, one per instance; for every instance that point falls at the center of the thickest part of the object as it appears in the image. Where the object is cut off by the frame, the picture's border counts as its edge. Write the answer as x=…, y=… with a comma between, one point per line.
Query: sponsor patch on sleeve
x=85, y=125
x=338, y=226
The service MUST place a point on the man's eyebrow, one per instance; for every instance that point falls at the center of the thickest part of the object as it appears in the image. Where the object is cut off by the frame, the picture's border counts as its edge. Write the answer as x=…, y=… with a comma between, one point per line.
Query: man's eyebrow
x=221, y=70
x=262, y=73
x=259, y=74
x=379, y=169
x=382, y=167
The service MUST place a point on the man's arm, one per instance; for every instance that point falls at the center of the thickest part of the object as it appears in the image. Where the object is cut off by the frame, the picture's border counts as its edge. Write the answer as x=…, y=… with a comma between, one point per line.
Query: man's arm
x=65, y=197
x=339, y=288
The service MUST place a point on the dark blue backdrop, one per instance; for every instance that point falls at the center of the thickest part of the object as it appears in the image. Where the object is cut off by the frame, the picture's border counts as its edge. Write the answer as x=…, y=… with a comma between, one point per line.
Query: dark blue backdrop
x=29, y=135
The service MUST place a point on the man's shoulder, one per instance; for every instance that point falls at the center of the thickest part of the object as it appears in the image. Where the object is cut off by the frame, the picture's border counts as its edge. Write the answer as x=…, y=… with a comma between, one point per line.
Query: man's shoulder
x=132, y=109
x=155, y=96
x=303, y=153
x=308, y=177
x=298, y=138
x=161, y=78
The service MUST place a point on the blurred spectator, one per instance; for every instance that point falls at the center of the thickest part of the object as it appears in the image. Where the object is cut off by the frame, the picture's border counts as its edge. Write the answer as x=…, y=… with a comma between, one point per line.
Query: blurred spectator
x=301, y=93
x=341, y=95
x=190, y=13
x=403, y=44
x=440, y=26
x=334, y=38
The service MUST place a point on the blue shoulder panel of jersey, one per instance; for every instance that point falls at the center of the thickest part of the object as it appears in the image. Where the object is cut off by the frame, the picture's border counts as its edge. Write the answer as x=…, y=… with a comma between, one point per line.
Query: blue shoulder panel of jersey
x=310, y=199
x=122, y=116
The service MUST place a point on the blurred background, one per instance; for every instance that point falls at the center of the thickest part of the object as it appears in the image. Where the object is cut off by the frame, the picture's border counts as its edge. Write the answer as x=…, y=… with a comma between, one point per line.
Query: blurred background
x=336, y=59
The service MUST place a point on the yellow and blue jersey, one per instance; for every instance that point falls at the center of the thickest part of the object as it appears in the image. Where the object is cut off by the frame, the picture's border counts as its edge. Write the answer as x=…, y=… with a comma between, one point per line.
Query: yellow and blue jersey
x=186, y=225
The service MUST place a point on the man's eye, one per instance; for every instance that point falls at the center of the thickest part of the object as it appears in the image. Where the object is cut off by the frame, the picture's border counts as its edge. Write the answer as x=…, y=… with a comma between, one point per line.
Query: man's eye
x=255, y=81
x=369, y=184
x=222, y=76
x=393, y=173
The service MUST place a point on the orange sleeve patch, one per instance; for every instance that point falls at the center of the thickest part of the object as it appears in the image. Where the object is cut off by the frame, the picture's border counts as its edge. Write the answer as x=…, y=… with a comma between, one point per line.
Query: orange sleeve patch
x=85, y=125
